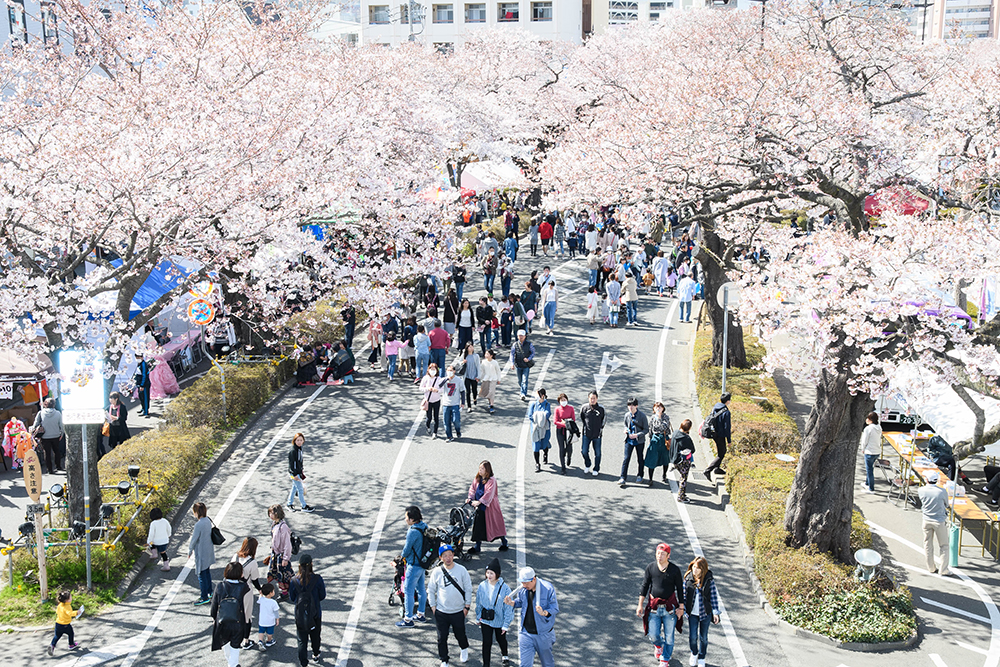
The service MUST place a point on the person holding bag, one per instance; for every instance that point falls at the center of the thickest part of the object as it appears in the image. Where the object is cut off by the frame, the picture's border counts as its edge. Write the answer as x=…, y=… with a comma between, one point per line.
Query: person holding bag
x=431, y=386
x=661, y=603
x=449, y=594
x=279, y=562
x=246, y=557
x=682, y=456
x=492, y=616
x=203, y=548
x=566, y=428
x=488, y=524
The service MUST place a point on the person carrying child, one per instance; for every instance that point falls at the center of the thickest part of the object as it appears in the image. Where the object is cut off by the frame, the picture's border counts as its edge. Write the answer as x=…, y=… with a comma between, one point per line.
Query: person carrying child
x=64, y=619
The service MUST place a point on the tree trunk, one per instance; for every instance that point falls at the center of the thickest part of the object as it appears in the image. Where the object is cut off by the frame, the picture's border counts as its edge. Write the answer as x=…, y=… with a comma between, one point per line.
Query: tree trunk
x=715, y=276
x=819, y=507
x=74, y=471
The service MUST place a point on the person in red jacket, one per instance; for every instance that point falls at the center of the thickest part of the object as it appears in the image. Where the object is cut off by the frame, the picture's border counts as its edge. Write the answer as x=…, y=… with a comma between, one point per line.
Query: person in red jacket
x=546, y=231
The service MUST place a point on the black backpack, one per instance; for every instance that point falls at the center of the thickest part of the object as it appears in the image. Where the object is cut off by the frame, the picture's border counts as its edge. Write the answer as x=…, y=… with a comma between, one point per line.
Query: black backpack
x=230, y=608
x=305, y=611
x=708, y=426
x=429, y=548
x=296, y=542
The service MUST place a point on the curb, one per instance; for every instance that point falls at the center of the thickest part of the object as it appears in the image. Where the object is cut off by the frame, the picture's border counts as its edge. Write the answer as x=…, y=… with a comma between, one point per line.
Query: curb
x=748, y=564
x=220, y=457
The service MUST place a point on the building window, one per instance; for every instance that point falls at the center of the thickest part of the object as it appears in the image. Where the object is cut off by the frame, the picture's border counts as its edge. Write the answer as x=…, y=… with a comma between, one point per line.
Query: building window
x=508, y=11
x=541, y=11
x=444, y=48
x=444, y=14
x=475, y=13
x=622, y=12
x=378, y=14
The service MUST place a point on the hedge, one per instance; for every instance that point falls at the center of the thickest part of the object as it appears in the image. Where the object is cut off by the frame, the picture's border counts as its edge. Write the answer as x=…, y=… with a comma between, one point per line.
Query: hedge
x=806, y=588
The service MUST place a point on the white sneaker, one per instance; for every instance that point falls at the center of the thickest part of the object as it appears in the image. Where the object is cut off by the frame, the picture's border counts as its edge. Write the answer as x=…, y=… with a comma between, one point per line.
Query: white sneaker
x=694, y=660
x=594, y=473
x=444, y=664
x=586, y=471
x=465, y=655
x=701, y=663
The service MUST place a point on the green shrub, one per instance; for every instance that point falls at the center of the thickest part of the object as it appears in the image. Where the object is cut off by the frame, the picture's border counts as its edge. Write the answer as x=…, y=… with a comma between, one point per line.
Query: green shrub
x=248, y=386
x=806, y=588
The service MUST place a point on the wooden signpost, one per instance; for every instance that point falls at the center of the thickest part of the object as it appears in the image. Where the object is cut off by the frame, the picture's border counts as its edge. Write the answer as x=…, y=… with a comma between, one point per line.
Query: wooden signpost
x=33, y=485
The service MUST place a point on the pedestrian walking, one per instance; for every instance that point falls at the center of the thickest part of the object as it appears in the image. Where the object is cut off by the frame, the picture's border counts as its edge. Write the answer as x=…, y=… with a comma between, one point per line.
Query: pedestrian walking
x=269, y=617
x=533, y=237
x=393, y=348
x=450, y=595
x=593, y=304
x=203, y=548
x=451, y=400
x=230, y=621
x=432, y=386
x=661, y=603
x=592, y=417
x=636, y=426
x=566, y=428
x=375, y=337
x=452, y=304
x=422, y=350
x=490, y=264
x=550, y=302
x=466, y=322
x=117, y=417
x=658, y=454
x=493, y=616
x=614, y=300
x=719, y=427
x=488, y=525
x=540, y=416
x=279, y=561
x=471, y=373
x=630, y=297
x=143, y=382
x=682, y=456
x=349, y=316
x=246, y=556
x=701, y=599
x=64, y=621
x=414, y=592
x=685, y=291
x=458, y=274
x=559, y=236
x=307, y=591
x=871, y=447
x=546, y=232
x=593, y=265
x=296, y=474
x=590, y=240
x=934, y=507
x=48, y=428
x=158, y=537
x=537, y=598
x=510, y=246
x=489, y=376
x=522, y=357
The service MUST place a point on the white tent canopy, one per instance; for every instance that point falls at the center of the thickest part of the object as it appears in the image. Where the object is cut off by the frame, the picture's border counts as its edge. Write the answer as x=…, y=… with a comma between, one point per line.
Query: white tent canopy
x=490, y=174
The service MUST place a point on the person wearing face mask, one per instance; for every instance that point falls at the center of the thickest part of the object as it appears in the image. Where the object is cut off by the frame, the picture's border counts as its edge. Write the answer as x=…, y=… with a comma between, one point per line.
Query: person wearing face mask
x=565, y=421
x=540, y=416
x=490, y=264
x=451, y=399
x=492, y=616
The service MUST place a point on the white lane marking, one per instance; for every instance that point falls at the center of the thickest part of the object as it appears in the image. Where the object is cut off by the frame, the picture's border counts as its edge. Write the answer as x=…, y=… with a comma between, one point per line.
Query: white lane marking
x=734, y=643
x=974, y=649
x=154, y=622
x=955, y=610
x=362, y=588
x=936, y=659
x=522, y=447
x=993, y=654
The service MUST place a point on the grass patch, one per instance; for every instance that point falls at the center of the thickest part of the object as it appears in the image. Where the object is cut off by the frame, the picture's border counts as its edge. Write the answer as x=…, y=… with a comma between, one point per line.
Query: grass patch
x=806, y=588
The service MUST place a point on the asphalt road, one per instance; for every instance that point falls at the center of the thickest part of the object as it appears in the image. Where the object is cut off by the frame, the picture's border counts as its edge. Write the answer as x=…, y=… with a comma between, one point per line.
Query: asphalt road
x=365, y=461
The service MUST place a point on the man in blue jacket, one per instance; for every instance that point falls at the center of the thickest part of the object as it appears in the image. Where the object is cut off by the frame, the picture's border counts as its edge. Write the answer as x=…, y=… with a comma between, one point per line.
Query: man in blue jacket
x=722, y=433
x=537, y=600
x=414, y=573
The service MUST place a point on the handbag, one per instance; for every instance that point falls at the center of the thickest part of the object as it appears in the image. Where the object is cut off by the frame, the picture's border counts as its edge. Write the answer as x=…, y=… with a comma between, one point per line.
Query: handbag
x=490, y=614
x=424, y=405
x=217, y=537
x=106, y=429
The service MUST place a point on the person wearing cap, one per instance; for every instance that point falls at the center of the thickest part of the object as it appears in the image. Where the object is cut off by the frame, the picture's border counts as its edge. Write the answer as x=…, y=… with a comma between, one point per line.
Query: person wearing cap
x=522, y=357
x=450, y=596
x=661, y=603
x=492, y=616
x=307, y=591
x=537, y=598
x=934, y=505
x=636, y=426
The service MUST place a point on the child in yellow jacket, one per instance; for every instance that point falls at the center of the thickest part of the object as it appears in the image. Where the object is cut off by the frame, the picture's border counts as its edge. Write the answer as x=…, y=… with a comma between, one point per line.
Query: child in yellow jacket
x=64, y=617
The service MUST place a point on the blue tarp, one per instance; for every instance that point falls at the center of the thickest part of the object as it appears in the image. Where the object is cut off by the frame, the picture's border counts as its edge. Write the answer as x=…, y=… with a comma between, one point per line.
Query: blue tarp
x=165, y=277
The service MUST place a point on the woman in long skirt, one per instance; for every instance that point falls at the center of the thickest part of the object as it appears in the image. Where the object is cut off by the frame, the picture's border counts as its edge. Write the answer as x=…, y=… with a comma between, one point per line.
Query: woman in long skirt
x=488, y=524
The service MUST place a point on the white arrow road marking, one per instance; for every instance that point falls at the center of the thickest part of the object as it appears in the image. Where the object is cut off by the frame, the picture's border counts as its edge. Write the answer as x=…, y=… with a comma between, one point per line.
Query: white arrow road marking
x=936, y=659
x=956, y=611
x=974, y=649
x=601, y=379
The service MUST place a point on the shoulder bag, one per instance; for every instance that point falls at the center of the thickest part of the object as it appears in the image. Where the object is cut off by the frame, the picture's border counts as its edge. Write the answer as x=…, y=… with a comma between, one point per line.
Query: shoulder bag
x=217, y=537
x=453, y=582
x=490, y=614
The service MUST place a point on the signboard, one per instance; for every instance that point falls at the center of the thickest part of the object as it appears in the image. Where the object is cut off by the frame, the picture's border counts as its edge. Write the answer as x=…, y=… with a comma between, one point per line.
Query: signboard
x=32, y=475
x=202, y=289
x=6, y=391
x=81, y=388
x=201, y=312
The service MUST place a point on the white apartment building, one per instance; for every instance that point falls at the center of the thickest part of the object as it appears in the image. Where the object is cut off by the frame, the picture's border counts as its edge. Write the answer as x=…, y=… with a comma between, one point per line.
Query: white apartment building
x=443, y=24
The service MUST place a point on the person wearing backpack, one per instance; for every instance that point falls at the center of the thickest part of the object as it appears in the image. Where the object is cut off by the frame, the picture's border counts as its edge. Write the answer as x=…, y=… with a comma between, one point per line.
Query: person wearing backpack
x=718, y=427
x=450, y=596
x=307, y=591
x=247, y=559
x=413, y=554
x=230, y=618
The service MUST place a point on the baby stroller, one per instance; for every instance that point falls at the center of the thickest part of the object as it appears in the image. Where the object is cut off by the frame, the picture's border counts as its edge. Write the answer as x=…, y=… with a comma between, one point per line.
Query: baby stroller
x=397, y=584
x=460, y=521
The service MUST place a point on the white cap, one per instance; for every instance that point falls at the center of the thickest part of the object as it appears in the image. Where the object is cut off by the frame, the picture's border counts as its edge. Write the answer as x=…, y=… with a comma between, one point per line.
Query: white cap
x=525, y=575
x=933, y=477
x=522, y=332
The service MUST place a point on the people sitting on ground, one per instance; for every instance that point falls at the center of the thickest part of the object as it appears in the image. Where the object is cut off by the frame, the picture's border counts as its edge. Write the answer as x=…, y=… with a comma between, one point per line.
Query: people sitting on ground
x=341, y=364
x=306, y=373
x=992, y=485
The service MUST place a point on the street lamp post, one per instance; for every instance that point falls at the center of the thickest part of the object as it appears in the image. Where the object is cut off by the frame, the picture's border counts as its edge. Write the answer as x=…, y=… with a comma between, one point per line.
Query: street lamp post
x=763, y=14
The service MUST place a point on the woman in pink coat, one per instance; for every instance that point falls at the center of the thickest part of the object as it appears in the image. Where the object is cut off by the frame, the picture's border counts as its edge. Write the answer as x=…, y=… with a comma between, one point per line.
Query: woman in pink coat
x=489, y=524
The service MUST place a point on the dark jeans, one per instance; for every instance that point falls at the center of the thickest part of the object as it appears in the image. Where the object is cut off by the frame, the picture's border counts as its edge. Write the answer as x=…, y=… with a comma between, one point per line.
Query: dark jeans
x=454, y=622
x=698, y=634
x=305, y=636
x=488, y=635
x=434, y=410
x=585, y=450
x=522, y=380
x=144, y=398
x=349, y=334
x=464, y=337
x=506, y=329
x=870, y=460
x=720, y=447
x=438, y=357
x=205, y=582
x=505, y=286
x=484, y=337
x=633, y=446
x=471, y=391
x=53, y=454
x=67, y=630
x=565, y=440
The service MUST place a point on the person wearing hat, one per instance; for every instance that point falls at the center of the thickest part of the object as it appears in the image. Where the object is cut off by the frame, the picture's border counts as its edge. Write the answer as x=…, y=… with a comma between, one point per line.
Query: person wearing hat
x=661, y=603
x=537, y=598
x=492, y=616
x=522, y=357
x=449, y=594
x=307, y=591
x=934, y=505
